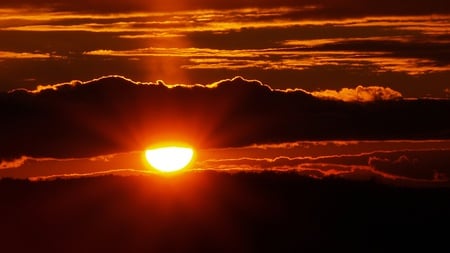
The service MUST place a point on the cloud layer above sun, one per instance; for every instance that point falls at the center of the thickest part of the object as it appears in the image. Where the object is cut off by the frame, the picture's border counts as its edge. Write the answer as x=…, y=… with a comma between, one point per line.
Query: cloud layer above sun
x=312, y=44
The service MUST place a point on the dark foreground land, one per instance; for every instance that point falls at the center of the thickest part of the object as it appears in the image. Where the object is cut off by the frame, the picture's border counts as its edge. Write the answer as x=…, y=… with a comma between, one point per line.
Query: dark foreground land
x=217, y=212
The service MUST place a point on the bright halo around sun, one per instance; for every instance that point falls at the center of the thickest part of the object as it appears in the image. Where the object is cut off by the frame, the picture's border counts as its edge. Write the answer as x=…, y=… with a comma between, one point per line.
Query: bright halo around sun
x=169, y=158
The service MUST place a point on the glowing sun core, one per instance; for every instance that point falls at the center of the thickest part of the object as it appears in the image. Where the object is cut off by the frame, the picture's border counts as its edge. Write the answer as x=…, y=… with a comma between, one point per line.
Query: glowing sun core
x=169, y=159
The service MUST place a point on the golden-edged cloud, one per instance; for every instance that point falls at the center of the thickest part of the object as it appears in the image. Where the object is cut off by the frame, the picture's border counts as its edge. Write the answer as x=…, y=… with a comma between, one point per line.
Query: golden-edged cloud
x=282, y=58
x=26, y=55
x=11, y=164
x=360, y=93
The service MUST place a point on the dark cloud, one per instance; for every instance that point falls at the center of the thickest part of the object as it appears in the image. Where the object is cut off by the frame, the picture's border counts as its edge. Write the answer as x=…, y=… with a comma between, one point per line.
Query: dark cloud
x=334, y=77
x=434, y=50
x=210, y=212
x=416, y=165
x=413, y=166
x=325, y=8
x=114, y=114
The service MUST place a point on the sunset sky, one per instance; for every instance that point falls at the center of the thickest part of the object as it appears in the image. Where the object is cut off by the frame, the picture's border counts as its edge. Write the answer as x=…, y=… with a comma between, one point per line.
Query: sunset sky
x=358, y=89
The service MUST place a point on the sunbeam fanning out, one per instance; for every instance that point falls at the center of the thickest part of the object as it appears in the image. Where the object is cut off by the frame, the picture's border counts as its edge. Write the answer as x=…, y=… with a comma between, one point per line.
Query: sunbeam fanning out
x=170, y=158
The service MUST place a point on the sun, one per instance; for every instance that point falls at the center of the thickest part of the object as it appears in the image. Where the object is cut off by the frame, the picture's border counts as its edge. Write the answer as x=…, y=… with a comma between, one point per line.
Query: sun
x=169, y=158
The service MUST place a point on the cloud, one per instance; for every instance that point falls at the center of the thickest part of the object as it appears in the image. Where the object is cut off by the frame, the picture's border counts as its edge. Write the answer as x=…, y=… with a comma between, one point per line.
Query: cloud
x=324, y=8
x=14, y=163
x=417, y=165
x=410, y=162
x=114, y=114
x=293, y=58
x=360, y=93
x=26, y=55
x=414, y=166
x=313, y=40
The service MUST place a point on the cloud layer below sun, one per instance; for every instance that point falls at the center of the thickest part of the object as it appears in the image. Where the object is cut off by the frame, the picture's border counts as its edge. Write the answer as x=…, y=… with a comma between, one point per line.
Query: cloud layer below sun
x=411, y=163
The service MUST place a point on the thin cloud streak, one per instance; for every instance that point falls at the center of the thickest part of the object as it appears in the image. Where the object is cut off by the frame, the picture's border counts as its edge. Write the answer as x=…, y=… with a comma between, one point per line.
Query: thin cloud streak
x=182, y=23
x=27, y=55
x=281, y=58
x=120, y=172
x=424, y=166
x=326, y=8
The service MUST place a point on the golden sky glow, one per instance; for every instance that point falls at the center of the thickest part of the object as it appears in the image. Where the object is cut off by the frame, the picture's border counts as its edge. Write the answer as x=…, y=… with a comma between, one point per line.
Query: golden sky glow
x=187, y=42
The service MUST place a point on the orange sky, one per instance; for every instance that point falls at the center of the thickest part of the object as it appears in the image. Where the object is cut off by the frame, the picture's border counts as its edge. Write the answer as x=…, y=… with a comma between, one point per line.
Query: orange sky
x=83, y=82
x=301, y=124
x=308, y=44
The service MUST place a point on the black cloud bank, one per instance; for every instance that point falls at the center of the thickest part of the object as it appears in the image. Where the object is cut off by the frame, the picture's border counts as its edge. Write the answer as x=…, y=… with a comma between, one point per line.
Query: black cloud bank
x=114, y=114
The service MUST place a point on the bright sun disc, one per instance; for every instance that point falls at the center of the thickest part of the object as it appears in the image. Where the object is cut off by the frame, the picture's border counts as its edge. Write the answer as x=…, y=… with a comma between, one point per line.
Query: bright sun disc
x=169, y=159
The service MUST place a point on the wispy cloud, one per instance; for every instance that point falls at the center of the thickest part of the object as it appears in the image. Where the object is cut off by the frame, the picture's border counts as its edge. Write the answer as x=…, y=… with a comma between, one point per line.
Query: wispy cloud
x=215, y=21
x=26, y=55
x=405, y=165
x=282, y=58
x=366, y=42
x=284, y=52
